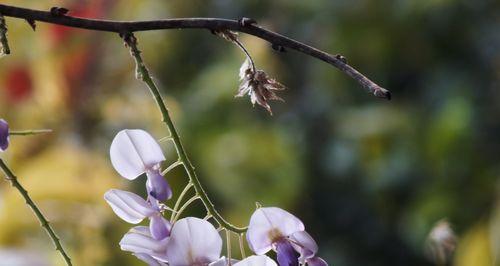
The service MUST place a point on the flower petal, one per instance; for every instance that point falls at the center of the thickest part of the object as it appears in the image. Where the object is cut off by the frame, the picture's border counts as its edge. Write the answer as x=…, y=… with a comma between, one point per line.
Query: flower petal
x=139, y=240
x=267, y=225
x=149, y=260
x=316, y=261
x=158, y=186
x=128, y=206
x=159, y=227
x=245, y=68
x=286, y=255
x=192, y=241
x=4, y=135
x=223, y=261
x=261, y=260
x=303, y=243
x=133, y=151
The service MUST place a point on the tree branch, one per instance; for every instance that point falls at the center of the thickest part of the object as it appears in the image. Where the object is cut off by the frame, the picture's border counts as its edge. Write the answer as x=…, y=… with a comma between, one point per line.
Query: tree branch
x=195, y=23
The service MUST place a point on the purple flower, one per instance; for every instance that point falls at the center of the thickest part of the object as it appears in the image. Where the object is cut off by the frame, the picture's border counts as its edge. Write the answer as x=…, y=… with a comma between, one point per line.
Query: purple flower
x=134, y=152
x=193, y=242
x=260, y=260
x=4, y=135
x=274, y=228
x=144, y=246
x=133, y=209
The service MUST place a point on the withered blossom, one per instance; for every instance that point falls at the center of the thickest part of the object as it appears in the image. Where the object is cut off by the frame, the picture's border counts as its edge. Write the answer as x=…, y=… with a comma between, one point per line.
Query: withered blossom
x=258, y=85
x=441, y=242
x=228, y=35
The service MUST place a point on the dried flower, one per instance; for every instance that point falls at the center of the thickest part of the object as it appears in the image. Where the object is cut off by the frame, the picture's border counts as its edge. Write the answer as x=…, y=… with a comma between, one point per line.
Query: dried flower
x=441, y=242
x=228, y=35
x=258, y=85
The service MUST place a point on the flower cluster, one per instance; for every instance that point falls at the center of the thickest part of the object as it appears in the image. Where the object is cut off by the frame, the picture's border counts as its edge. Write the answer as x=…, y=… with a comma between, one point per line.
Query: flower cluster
x=193, y=241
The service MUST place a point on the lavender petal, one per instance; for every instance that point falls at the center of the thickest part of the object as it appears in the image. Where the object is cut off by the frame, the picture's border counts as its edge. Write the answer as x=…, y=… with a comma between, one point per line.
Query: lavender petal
x=139, y=240
x=192, y=241
x=158, y=186
x=133, y=152
x=128, y=206
x=261, y=260
x=4, y=135
x=159, y=227
x=286, y=255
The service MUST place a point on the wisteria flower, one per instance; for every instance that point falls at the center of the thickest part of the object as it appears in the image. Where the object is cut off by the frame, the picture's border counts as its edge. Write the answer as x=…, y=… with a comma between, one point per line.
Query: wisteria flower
x=134, y=152
x=133, y=209
x=4, y=135
x=258, y=85
x=260, y=260
x=144, y=246
x=193, y=242
x=276, y=229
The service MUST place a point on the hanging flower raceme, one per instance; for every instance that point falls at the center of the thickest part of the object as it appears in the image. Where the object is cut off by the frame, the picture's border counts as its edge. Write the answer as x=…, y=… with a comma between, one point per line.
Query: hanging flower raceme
x=4, y=135
x=276, y=229
x=134, y=152
x=133, y=209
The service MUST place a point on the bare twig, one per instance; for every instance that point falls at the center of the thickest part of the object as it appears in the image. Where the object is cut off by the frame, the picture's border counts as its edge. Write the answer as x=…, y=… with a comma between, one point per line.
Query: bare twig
x=195, y=23
x=43, y=221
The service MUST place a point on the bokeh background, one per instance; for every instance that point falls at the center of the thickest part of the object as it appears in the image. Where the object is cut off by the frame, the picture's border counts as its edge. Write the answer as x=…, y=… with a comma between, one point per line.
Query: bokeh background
x=369, y=177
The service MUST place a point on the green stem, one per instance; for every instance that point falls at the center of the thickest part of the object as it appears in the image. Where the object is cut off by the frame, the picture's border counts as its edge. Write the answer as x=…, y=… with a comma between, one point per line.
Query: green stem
x=43, y=221
x=142, y=73
x=179, y=200
x=228, y=247
x=170, y=167
x=242, y=247
x=184, y=207
x=29, y=132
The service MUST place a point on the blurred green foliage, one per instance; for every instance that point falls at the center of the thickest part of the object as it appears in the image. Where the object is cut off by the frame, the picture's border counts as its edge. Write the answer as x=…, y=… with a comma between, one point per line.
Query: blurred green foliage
x=368, y=177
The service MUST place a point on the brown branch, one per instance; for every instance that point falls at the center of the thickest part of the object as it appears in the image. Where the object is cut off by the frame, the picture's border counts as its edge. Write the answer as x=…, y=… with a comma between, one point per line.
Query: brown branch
x=274, y=38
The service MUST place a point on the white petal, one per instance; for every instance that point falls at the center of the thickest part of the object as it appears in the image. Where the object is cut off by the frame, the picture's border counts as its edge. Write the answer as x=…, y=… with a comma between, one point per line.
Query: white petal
x=267, y=225
x=139, y=240
x=128, y=206
x=133, y=151
x=193, y=240
x=261, y=260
